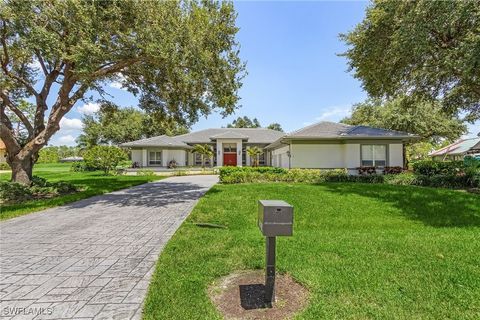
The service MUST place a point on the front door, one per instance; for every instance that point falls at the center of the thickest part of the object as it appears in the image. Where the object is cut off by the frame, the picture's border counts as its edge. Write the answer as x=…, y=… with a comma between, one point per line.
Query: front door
x=230, y=159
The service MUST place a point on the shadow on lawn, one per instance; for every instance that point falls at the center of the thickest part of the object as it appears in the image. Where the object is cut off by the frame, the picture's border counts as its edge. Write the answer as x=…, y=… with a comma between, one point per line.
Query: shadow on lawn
x=434, y=207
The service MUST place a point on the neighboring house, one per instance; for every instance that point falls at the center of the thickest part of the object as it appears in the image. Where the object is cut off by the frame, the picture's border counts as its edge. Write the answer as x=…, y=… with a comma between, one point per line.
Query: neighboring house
x=71, y=159
x=3, y=152
x=458, y=150
x=324, y=145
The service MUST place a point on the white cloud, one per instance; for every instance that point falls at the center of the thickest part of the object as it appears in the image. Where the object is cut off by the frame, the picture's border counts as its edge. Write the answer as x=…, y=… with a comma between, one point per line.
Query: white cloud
x=119, y=83
x=335, y=113
x=71, y=124
x=89, y=108
x=68, y=140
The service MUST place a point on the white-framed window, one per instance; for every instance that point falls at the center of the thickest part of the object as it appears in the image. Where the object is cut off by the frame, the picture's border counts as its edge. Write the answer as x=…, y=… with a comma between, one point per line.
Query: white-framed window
x=261, y=159
x=374, y=155
x=155, y=158
x=198, y=159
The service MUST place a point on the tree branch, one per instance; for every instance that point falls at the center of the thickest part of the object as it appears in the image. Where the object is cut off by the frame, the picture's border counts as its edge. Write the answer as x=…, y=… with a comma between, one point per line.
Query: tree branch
x=18, y=112
x=6, y=134
x=42, y=63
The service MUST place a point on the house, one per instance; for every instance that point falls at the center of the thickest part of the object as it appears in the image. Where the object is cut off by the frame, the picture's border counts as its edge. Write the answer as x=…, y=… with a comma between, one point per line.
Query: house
x=458, y=150
x=324, y=145
x=3, y=152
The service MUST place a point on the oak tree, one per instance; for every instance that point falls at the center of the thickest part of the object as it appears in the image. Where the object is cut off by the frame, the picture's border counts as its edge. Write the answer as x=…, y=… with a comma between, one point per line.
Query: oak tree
x=179, y=57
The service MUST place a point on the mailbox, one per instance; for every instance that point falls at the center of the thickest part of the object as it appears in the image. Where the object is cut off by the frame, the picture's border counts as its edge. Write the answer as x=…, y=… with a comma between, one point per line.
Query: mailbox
x=275, y=218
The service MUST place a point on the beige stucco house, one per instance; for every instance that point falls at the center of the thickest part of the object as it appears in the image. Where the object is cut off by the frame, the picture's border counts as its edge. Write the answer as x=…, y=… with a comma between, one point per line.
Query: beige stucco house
x=324, y=145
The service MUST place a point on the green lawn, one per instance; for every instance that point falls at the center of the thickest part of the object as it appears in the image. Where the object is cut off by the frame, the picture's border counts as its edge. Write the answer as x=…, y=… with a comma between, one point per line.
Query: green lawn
x=92, y=183
x=365, y=251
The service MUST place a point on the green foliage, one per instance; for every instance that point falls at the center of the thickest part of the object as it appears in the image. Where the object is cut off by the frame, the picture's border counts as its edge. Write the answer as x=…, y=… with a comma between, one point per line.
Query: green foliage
x=364, y=251
x=244, y=122
x=115, y=125
x=12, y=192
x=424, y=118
x=430, y=167
x=4, y=166
x=82, y=166
x=254, y=153
x=446, y=176
x=146, y=173
x=104, y=158
x=180, y=58
x=53, y=154
x=431, y=52
x=204, y=150
x=15, y=193
x=275, y=126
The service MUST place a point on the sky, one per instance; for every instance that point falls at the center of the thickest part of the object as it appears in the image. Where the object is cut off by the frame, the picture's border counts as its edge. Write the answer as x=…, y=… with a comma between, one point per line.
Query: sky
x=295, y=76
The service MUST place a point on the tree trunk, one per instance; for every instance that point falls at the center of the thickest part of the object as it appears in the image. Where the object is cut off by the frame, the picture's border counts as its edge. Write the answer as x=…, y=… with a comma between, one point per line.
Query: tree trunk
x=22, y=170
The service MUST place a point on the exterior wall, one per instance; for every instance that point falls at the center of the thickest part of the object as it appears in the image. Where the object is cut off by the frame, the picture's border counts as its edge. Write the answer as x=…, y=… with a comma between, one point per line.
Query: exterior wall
x=395, y=155
x=141, y=156
x=323, y=156
x=137, y=156
x=328, y=155
x=280, y=157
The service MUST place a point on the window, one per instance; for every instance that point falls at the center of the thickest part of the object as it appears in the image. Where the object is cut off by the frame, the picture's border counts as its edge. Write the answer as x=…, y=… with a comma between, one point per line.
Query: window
x=198, y=160
x=155, y=158
x=230, y=147
x=261, y=159
x=374, y=155
x=244, y=156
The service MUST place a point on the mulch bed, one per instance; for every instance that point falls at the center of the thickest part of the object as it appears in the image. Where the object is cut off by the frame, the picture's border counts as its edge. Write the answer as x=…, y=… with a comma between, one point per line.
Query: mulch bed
x=241, y=296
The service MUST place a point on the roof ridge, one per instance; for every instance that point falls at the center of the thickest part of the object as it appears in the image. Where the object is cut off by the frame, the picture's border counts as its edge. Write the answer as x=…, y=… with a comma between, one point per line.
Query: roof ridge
x=315, y=124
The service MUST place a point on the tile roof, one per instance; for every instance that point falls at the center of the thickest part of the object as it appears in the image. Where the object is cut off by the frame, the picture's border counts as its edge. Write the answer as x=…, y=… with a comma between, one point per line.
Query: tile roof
x=229, y=135
x=327, y=129
x=458, y=147
x=160, y=141
x=254, y=135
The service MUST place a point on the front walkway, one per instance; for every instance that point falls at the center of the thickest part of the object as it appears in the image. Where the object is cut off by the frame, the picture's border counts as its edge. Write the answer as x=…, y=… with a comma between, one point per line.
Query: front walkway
x=93, y=258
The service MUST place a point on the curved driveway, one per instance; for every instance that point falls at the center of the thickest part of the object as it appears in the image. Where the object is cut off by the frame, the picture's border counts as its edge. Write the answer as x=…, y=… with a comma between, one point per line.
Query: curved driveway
x=93, y=258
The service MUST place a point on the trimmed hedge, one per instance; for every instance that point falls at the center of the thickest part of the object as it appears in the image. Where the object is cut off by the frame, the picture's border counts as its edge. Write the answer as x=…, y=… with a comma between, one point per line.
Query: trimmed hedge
x=431, y=168
x=231, y=175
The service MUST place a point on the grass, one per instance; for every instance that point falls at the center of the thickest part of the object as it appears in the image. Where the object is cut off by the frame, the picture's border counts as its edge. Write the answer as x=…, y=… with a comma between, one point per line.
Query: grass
x=364, y=251
x=91, y=183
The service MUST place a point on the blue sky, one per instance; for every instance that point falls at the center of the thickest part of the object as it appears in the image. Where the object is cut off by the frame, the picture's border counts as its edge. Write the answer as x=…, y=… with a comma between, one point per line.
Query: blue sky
x=295, y=76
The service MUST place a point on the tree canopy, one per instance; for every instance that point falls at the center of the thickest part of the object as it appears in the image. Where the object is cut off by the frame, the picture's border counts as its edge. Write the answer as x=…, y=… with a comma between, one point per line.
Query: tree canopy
x=430, y=49
x=424, y=118
x=246, y=122
x=179, y=57
x=114, y=125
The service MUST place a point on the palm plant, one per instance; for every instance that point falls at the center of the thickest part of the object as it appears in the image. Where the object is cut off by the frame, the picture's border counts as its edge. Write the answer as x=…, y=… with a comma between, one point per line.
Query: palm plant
x=204, y=150
x=254, y=153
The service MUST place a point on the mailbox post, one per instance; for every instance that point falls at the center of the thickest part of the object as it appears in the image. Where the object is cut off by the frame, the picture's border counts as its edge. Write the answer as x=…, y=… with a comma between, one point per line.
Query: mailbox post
x=275, y=218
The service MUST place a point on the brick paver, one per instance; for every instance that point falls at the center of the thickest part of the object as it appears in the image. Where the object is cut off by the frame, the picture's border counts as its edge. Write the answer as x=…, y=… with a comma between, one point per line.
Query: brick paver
x=92, y=259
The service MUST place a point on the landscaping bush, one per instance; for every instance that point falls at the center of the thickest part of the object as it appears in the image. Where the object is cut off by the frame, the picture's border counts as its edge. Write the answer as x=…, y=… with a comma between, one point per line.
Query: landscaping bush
x=105, y=158
x=431, y=168
x=366, y=170
x=12, y=192
x=145, y=172
x=81, y=166
x=465, y=179
x=393, y=170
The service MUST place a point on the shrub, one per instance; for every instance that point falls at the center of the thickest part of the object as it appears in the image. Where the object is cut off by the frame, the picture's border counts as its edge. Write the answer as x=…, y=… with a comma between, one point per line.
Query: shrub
x=12, y=192
x=104, y=157
x=366, y=170
x=431, y=168
x=81, y=166
x=145, y=172
x=402, y=179
x=393, y=170
x=4, y=166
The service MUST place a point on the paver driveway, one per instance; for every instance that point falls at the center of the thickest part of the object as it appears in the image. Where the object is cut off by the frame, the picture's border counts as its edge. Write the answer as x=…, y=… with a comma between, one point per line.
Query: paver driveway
x=92, y=258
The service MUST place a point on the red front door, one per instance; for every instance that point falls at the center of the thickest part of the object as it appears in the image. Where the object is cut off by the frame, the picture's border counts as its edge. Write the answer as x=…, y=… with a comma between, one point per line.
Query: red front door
x=230, y=159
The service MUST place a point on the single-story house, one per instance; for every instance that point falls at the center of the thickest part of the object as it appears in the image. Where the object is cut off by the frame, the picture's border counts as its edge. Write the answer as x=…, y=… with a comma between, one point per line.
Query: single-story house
x=458, y=150
x=324, y=145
